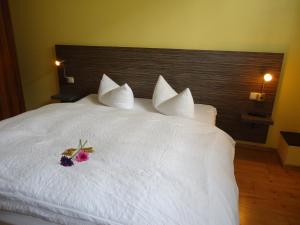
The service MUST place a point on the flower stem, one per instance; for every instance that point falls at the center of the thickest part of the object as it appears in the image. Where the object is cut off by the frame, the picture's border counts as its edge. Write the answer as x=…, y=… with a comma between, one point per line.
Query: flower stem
x=80, y=146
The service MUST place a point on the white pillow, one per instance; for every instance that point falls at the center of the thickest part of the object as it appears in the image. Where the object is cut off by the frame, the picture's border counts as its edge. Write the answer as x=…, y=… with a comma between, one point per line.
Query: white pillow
x=111, y=94
x=168, y=102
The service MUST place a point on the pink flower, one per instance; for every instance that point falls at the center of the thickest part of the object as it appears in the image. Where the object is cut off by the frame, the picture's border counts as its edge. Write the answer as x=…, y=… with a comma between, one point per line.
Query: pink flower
x=82, y=156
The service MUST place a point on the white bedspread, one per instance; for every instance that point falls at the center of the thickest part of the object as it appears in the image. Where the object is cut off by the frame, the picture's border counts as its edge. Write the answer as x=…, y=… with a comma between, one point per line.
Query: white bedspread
x=148, y=169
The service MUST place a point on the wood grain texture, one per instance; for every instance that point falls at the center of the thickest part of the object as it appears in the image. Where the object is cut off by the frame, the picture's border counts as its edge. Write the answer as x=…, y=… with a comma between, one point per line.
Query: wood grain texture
x=256, y=119
x=223, y=79
x=269, y=193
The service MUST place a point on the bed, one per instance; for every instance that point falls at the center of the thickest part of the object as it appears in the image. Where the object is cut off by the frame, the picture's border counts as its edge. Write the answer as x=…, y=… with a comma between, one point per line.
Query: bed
x=148, y=168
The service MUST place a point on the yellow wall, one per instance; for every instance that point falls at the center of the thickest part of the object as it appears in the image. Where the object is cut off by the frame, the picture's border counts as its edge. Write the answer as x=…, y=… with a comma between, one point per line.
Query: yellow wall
x=256, y=25
x=287, y=106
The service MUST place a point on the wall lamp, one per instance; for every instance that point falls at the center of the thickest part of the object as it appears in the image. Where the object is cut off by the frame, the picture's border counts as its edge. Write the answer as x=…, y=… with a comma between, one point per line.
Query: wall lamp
x=261, y=96
x=61, y=64
x=58, y=62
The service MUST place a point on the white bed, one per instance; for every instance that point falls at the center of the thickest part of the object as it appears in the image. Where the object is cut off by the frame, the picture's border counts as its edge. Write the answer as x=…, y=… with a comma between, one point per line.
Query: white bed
x=148, y=169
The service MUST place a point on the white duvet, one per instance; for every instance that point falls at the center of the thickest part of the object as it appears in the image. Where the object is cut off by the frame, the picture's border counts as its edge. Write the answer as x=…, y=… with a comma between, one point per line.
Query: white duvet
x=148, y=169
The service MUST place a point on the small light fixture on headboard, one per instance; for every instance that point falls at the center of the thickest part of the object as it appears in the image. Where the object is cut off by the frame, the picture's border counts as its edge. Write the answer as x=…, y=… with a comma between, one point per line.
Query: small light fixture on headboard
x=267, y=78
x=61, y=63
x=58, y=63
x=261, y=96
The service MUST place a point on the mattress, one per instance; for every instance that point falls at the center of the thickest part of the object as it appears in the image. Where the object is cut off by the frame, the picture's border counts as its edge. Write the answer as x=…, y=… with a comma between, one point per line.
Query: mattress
x=203, y=113
x=148, y=168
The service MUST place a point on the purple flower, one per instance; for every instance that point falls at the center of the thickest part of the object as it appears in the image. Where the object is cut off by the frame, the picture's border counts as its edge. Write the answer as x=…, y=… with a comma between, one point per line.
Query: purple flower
x=65, y=161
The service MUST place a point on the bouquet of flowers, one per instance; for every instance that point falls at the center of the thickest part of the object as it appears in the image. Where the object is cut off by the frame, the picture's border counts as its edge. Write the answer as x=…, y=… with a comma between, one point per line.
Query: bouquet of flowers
x=80, y=154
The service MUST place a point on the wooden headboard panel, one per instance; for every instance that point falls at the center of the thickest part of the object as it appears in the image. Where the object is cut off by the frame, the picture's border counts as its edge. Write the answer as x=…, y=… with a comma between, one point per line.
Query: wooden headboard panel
x=223, y=79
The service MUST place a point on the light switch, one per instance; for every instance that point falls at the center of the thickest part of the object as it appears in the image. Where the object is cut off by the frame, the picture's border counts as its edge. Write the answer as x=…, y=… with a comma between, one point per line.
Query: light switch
x=257, y=96
x=70, y=80
x=254, y=96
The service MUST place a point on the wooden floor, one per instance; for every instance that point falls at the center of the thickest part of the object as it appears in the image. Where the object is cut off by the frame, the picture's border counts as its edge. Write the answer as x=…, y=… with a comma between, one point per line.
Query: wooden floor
x=269, y=193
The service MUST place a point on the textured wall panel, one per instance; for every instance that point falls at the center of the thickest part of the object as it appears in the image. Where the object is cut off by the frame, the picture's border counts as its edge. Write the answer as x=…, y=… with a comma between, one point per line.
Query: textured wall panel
x=223, y=79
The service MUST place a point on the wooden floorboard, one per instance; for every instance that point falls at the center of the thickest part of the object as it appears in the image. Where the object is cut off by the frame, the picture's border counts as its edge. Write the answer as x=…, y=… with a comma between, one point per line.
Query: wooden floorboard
x=269, y=193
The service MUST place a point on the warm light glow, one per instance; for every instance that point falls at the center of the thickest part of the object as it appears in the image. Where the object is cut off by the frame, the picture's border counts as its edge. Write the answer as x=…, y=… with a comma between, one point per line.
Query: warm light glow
x=57, y=63
x=268, y=77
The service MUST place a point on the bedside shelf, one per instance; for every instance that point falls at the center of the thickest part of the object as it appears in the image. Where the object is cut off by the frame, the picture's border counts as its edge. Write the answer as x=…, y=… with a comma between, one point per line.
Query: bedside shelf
x=66, y=97
x=289, y=148
x=291, y=138
x=245, y=117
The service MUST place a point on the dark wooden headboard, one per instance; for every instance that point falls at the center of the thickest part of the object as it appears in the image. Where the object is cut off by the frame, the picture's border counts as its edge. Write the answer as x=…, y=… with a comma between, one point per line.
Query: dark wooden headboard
x=223, y=79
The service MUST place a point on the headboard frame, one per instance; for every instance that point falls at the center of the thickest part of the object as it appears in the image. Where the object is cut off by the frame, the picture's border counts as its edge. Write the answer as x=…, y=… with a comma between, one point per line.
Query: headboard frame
x=223, y=79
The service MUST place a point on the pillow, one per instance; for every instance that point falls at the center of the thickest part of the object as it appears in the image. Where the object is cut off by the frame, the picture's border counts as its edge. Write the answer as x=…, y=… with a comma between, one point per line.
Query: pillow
x=111, y=94
x=168, y=102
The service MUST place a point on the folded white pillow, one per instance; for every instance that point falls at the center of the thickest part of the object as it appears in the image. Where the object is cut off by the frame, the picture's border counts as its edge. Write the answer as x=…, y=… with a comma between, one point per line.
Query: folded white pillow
x=111, y=94
x=168, y=102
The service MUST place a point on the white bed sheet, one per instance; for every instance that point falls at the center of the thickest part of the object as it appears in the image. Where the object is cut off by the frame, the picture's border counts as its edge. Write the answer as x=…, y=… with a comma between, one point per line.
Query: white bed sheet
x=147, y=168
x=203, y=113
